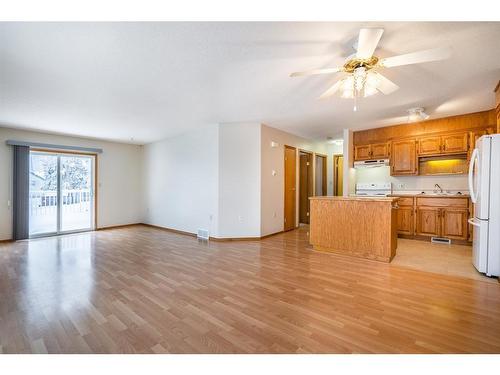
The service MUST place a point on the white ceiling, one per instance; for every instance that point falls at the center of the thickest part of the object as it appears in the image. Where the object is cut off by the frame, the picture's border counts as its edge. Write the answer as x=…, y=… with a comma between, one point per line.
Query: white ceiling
x=141, y=82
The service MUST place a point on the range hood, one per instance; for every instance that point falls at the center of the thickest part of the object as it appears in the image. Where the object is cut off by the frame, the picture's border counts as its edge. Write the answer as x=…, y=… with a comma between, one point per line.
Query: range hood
x=371, y=163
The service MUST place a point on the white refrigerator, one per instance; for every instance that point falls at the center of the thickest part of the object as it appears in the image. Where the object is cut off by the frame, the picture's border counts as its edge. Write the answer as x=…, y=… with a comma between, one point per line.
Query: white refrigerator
x=484, y=187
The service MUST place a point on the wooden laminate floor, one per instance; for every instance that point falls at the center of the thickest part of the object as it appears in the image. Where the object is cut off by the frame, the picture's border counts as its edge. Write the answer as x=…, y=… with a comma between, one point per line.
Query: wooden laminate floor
x=144, y=290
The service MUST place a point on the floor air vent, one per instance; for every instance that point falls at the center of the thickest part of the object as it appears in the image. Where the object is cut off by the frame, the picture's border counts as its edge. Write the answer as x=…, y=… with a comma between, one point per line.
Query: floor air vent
x=446, y=241
x=203, y=234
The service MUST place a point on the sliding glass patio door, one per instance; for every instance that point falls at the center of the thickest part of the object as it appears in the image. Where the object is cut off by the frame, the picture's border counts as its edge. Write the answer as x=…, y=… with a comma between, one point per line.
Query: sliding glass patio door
x=61, y=193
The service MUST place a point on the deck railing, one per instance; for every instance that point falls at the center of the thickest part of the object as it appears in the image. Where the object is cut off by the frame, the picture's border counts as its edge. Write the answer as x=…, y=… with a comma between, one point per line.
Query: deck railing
x=44, y=202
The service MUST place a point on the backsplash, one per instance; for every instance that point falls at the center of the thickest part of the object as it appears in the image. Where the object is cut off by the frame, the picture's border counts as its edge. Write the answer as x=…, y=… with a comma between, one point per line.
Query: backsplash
x=453, y=183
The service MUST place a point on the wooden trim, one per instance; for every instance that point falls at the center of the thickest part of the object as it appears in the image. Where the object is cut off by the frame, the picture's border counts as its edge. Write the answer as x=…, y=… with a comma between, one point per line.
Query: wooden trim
x=228, y=239
x=56, y=151
x=8, y=240
x=177, y=231
x=496, y=89
x=119, y=226
x=216, y=239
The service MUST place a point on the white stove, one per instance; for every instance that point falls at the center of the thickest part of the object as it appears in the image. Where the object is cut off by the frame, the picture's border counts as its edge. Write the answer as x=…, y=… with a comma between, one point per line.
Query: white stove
x=374, y=190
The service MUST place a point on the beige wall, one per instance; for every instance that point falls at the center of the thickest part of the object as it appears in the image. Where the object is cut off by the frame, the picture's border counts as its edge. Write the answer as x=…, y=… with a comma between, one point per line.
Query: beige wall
x=272, y=186
x=119, y=186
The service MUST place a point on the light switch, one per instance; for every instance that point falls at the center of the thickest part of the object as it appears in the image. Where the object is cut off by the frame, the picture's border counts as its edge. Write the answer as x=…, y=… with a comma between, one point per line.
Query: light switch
x=274, y=173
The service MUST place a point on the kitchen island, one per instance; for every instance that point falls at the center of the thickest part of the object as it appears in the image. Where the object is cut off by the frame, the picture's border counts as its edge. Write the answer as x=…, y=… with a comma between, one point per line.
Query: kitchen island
x=362, y=227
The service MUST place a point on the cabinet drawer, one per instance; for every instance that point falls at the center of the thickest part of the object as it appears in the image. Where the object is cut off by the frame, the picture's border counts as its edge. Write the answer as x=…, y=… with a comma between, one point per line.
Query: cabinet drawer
x=405, y=201
x=442, y=202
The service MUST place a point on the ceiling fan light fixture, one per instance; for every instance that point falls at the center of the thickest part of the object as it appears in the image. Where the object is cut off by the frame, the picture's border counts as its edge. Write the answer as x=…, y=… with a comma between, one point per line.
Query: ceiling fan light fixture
x=417, y=114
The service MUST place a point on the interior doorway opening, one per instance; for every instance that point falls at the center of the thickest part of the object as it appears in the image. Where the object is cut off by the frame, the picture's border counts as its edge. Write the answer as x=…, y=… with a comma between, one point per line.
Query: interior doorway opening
x=61, y=193
x=338, y=174
x=320, y=183
x=306, y=185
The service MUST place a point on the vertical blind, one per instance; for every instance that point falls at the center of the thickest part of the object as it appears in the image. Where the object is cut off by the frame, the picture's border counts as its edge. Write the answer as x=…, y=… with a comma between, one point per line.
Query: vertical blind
x=21, y=193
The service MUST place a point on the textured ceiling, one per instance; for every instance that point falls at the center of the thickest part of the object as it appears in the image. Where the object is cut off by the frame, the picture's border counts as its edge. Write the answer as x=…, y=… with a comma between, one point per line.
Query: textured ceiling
x=141, y=82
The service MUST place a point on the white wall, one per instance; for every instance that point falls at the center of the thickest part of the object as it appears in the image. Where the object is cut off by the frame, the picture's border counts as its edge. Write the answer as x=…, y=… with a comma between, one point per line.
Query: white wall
x=272, y=186
x=119, y=186
x=239, y=180
x=181, y=181
x=412, y=183
x=349, y=178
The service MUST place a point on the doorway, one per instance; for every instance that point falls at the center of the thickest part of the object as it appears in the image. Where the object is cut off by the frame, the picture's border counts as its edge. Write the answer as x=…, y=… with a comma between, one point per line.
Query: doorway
x=305, y=185
x=320, y=183
x=338, y=175
x=61, y=193
x=290, y=187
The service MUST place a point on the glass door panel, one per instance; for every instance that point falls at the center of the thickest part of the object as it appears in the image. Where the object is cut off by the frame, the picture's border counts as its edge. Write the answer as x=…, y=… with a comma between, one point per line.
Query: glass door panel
x=76, y=193
x=43, y=194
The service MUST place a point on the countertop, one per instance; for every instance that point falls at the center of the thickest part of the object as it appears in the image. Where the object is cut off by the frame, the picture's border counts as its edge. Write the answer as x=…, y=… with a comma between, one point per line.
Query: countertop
x=355, y=198
x=427, y=195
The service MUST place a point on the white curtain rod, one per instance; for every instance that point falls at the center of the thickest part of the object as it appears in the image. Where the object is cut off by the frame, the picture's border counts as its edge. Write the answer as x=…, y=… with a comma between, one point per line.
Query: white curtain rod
x=55, y=147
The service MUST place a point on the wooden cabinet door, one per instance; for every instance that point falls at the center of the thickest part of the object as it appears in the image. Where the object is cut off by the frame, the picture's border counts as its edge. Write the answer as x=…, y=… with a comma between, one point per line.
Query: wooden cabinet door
x=429, y=145
x=362, y=152
x=380, y=151
x=454, y=223
x=454, y=143
x=405, y=220
x=428, y=221
x=403, y=157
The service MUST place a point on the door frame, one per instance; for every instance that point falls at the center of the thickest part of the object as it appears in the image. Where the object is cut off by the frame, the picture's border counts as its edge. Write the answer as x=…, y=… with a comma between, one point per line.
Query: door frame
x=93, y=178
x=311, y=179
x=335, y=173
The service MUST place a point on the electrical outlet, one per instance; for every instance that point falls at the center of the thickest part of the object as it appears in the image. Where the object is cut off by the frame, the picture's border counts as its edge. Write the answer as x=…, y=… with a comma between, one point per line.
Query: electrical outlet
x=240, y=218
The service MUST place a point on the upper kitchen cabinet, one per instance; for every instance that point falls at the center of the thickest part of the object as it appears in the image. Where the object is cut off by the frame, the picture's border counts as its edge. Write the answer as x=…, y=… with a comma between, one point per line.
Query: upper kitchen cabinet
x=445, y=144
x=362, y=152
x=449, y=140
x=455, y=143
x=380, y=150
x=371, y=151
x=403, y=157
x=429, y=145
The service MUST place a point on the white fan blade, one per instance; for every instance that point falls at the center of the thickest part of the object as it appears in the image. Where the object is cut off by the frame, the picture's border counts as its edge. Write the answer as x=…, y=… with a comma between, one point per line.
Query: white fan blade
x=435, y=54
x=367, y=42
x=316, y=71
x=332, y=90
x=385, y=85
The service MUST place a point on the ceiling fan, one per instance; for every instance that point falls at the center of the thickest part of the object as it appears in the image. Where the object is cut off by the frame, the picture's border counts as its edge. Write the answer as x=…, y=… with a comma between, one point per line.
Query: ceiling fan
x=363, y=78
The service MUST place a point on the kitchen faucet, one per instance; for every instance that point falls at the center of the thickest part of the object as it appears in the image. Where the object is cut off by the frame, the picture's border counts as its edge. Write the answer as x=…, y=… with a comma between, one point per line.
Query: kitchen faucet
x=440, y=188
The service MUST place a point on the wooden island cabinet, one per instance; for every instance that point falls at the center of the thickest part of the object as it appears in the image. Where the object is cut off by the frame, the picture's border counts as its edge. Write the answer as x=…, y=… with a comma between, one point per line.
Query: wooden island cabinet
x=362, y=227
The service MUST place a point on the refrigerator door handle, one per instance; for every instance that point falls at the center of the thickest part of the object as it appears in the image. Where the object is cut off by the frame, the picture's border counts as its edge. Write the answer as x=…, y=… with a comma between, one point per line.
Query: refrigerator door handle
x=471, y=221
x=474, y=159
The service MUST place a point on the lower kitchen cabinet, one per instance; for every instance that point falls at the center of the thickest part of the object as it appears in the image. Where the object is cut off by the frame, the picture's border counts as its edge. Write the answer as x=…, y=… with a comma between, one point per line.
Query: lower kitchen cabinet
x=428, y=221
x=405, y=220
x=434, y=217
x=454, y=223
